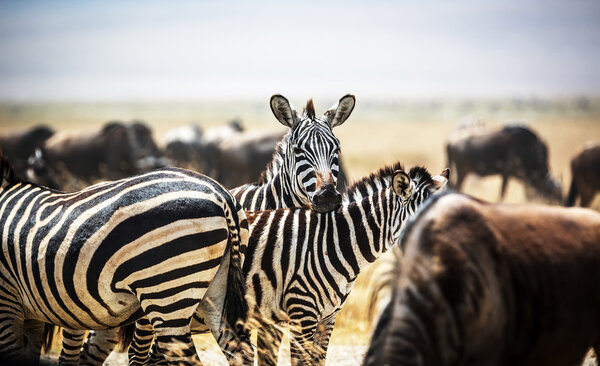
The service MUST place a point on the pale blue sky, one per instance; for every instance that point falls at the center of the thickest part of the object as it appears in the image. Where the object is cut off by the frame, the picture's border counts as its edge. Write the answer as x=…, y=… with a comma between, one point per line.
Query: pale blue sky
x=140, y=50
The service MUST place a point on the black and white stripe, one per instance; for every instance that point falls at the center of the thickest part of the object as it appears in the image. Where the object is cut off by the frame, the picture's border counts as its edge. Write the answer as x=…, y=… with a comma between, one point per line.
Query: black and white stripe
x=303, y=172
x=305, y=165
x=301, y=265
x=104, y=256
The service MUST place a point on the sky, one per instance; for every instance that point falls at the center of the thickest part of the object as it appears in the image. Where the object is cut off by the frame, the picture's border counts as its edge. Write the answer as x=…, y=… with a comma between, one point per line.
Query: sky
x=187, y=50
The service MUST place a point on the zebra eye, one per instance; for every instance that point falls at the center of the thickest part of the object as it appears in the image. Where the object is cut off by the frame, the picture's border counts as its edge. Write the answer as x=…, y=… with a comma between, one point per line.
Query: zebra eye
x=298, y=150
x=337, y=151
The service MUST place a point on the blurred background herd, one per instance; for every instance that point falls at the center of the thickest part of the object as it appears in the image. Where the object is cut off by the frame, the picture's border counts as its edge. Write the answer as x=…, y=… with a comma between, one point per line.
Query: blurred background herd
x=102, y=90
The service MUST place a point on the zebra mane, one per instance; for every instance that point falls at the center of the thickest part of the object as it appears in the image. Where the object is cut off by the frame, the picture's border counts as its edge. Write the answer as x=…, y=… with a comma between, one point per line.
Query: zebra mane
x=309, y=110
x=383, y=173
x=275, y=164
x=8, y=174
x=418, y=173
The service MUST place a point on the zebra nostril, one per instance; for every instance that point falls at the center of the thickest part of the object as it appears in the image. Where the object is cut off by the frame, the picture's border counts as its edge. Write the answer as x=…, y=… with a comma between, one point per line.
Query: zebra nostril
x=327, y=199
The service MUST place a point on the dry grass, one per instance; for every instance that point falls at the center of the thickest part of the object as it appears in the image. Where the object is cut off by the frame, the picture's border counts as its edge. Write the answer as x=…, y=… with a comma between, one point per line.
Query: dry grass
x=375, y=135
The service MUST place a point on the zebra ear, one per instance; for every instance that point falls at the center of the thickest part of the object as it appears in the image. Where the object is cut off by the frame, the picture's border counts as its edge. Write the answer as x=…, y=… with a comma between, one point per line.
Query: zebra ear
x=340, y=111
x=440, y=181
x=401, y=184
x=284, y=111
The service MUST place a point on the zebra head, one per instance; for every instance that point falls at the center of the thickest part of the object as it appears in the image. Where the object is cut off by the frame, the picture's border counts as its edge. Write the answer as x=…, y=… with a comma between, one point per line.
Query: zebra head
x=411, y=191
x=311, y=155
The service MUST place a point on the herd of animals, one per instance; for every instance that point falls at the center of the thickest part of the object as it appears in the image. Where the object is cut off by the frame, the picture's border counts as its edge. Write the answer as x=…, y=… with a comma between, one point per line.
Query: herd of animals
x=155, y=253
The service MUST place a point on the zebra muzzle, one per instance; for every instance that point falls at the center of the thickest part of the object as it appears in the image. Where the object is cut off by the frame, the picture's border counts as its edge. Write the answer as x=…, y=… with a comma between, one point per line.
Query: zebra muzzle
x=326, y=199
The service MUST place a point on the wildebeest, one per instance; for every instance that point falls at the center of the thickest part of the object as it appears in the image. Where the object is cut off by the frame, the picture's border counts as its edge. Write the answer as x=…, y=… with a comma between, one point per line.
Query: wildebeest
x=493, y=284
x=514, y=151
x=226, y=153
x=241, y=159
x=20, y=145
x=585, y=175
x=183, y=146
x=115, y=151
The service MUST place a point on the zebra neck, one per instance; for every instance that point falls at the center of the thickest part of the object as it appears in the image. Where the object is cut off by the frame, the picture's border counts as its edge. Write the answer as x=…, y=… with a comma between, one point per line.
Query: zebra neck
x=277, y=183
x=365, y=229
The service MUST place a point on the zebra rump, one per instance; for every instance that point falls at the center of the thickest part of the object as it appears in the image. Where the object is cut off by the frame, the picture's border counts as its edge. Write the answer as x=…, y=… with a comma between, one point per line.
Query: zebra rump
x=104, y=256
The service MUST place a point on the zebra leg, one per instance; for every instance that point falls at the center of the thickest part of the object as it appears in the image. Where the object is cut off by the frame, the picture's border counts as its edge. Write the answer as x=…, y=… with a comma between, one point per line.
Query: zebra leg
x=98, y=346
x=143, y=336
x=302, y=332
x=11, y=337
x=34, y=337
x=71, y=346
x=176, y=344
x=268, y=341
x=321, y=340
x=170, y=319
x=11, y=324
x=235, y=347
x=157, y=358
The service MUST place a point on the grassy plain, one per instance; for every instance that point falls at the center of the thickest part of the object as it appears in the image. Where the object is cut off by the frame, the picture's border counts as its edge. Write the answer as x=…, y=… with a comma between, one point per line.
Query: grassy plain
x=378, y=133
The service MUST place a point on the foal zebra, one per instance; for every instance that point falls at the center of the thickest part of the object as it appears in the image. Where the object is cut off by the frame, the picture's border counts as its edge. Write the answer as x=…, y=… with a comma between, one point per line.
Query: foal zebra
x=102, y=257
x=305, y=165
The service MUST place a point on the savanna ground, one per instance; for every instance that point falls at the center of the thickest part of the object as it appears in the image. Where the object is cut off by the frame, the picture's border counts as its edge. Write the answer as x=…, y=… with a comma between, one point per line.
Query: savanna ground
x=377, y=133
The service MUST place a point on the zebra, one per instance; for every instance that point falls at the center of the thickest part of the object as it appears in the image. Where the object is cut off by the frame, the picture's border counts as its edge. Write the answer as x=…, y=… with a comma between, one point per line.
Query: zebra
x=305, y=165
x=150, y=245
x=303, y=172
x=300, y=265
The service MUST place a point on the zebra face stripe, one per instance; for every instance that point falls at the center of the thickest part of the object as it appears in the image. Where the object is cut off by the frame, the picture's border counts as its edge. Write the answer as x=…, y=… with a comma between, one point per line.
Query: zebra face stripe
x=313, y=151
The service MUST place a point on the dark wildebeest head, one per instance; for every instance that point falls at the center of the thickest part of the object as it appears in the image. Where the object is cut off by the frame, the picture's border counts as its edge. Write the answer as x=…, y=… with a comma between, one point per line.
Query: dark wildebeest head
x=493, y=284
x=311, y=154
x=183, y=147
x=17, y=146
x=515, y=151
x=39, y=172
x=112, y=152
x=145, y=154
x=585, y=175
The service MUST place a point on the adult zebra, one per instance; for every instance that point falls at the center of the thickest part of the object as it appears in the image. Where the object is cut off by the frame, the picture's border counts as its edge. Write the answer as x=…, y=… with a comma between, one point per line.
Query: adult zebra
x=300, y=265
x=104, y=256
x=303, y=172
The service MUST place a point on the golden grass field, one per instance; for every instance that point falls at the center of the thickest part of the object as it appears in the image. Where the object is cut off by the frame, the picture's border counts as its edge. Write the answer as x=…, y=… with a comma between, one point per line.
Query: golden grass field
x=376, y=134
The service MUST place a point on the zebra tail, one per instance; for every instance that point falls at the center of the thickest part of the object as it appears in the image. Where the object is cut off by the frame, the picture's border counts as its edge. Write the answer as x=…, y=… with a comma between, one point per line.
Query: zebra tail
x=572, y=194
x=50, y=331
x=125, y=336
x=235, y=306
